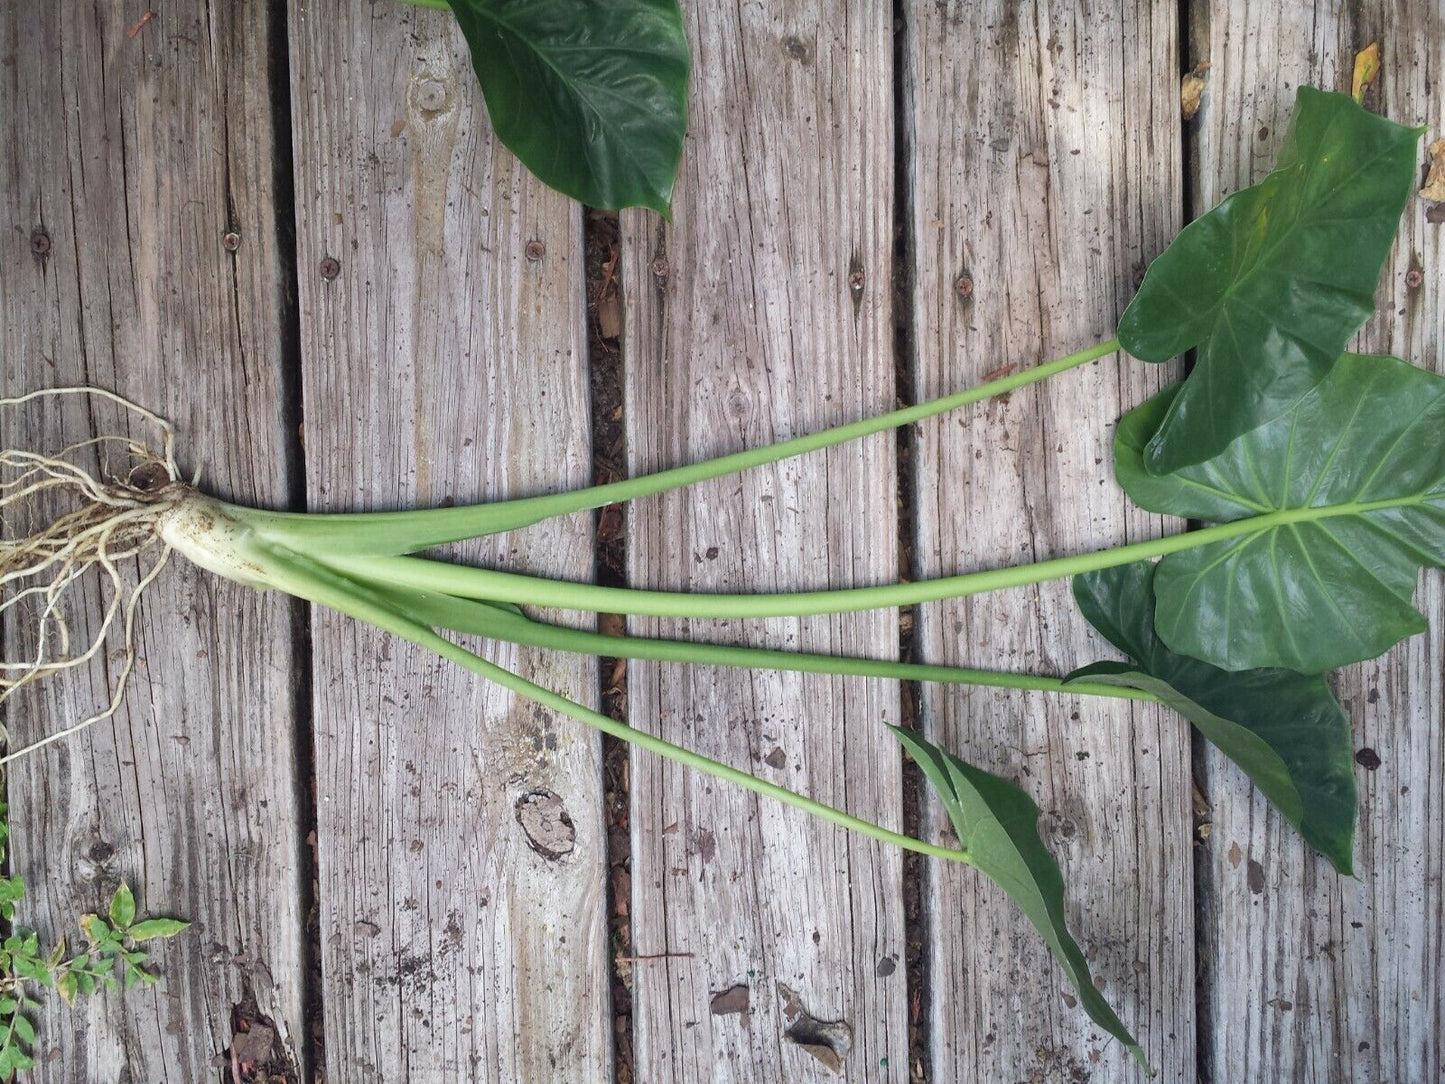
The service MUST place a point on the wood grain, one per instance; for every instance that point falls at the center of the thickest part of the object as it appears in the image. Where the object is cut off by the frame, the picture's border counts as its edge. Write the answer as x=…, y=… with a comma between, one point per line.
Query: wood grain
x=132, y=157
x=442, y=363
x=764, y=311
x=1307, y=975
x=1044, y=168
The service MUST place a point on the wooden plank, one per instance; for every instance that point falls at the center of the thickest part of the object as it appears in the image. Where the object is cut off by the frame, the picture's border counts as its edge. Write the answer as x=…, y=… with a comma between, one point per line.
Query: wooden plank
x=1044, y=170
x=132, y=156
x=442, y=363
x=1307, y=975
x=764, y=311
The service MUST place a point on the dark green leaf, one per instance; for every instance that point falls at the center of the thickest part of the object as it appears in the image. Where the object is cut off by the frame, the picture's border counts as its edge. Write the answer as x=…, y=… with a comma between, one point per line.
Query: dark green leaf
x=997, y=826
x=1349, y=488
x=122, y=907
x=156, y=927
x=591, y=95
x=25, y=1029
x=1285, y=730
x=1270, y=284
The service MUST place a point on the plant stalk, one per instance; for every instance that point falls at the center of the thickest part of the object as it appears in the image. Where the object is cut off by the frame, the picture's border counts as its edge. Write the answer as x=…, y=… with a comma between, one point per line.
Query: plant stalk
x=511, y=587
x=511, y=626
x=311, y=581
x=391, y=533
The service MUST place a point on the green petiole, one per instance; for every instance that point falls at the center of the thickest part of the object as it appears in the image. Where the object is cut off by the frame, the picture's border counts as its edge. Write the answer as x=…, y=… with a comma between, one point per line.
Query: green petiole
x=391, y=533
x=508, y=625
x=313, y=582
x=440, y=577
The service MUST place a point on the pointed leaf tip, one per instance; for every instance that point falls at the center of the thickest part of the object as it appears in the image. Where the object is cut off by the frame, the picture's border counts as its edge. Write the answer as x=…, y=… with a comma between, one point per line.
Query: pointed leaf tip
x=997, y=826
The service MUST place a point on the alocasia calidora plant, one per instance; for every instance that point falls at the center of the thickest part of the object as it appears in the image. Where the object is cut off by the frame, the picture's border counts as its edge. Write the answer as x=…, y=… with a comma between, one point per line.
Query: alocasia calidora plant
x=1322, y=475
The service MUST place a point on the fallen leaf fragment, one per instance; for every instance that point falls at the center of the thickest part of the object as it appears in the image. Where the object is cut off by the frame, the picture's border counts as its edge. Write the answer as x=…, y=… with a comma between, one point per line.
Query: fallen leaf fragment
x=1191, y=90
x=1367, y=68
x=733, y=1000
x=827, y=1041
x=1435, y=180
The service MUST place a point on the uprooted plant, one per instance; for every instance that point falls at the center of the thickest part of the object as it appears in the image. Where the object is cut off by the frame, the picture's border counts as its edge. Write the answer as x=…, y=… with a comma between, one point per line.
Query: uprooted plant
x=1321, y=472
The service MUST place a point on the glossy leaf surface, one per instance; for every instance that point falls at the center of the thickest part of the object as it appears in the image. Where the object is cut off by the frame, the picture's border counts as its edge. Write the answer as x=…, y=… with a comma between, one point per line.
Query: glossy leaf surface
x=591, y=95
x=997, y=825
x=1269, y=286
x=1286, y=730
x=1349, y=491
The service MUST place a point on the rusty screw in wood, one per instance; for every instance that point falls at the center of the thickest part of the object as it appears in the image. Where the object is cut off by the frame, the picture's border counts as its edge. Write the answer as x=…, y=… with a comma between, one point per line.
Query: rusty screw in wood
x=40, y=241
x=1413, y=278
x=963, y=286
x=231, y=241
x=535, y=250
x=330, y=267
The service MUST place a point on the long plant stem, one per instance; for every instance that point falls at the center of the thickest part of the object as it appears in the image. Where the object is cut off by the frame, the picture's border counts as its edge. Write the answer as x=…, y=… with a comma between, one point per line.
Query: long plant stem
x=313, y=582
x=510, y=626
x=385, y=533
x=511, y=587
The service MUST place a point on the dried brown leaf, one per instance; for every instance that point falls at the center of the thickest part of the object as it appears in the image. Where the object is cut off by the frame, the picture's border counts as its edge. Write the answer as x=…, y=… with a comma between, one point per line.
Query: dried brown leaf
x=1435, y=180
x=1191, y=90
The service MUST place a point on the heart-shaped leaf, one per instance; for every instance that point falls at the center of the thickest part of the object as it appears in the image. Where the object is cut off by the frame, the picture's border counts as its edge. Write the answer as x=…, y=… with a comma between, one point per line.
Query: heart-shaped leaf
x=1348, y=492
x=591, y=95
x=1286, y=730
x=1269, y=285
x=997, y=826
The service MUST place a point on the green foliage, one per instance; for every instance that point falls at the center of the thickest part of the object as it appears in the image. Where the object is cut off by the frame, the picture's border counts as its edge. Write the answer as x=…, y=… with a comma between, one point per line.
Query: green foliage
x=591, y=95
x=1286, y=730
x=997, y=827
x=1356, y=474
x=1268, y=286
x=113, y=958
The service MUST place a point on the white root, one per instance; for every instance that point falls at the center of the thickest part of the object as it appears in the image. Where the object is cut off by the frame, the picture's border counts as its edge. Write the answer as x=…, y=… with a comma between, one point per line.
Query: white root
x=89, y=518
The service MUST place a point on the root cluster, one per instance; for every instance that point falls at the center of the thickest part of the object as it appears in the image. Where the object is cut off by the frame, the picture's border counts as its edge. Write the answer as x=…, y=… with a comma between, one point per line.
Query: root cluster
x=62, y=516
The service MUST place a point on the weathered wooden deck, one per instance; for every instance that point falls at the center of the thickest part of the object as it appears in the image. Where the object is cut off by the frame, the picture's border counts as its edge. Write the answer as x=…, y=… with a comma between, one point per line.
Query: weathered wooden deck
x=873, y=201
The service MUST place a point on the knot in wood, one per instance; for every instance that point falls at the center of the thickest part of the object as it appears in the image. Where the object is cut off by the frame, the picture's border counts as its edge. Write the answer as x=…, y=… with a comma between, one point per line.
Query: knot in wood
x=546, y=824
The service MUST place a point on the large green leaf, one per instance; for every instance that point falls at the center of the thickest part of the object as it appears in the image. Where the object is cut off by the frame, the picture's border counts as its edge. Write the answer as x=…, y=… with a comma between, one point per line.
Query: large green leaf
x=997, y=826
x=1286, y=730
x=1349, y=492
x=591, y=95
x=1269, y=285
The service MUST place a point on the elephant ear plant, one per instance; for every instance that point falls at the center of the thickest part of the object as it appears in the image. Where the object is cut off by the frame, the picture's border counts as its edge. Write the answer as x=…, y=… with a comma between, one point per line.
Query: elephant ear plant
x=1322, y=476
